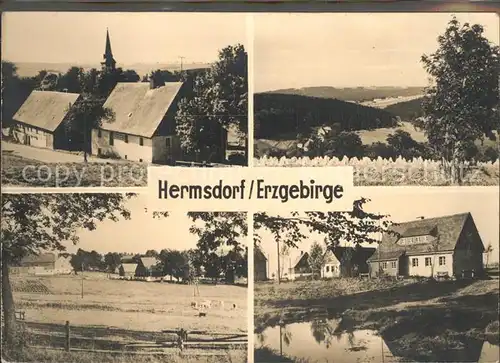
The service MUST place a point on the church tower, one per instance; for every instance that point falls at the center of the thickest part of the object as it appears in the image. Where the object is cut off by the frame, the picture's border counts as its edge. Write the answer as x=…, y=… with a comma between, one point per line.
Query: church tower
x=109, y=62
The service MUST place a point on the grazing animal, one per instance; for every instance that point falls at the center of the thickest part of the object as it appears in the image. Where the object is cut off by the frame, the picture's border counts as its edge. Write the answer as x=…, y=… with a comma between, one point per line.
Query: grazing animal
x=206, y=304
x=234, y=306
x=194, y=304
x=202, y=314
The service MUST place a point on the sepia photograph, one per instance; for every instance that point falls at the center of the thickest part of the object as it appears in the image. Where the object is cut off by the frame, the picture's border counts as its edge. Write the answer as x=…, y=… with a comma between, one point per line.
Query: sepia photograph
x=404, y=98
x=100, y=278
x=93, y=98
x=408, y=275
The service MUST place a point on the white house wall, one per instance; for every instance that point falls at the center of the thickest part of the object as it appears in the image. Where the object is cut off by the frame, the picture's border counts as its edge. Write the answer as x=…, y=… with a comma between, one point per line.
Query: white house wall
x=131, y=150
x=32, y=136
x=426, y=271
x=330, y=270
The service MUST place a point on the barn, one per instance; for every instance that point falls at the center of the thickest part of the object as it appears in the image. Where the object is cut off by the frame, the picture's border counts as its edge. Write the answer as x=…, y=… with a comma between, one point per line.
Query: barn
x=39, y=121
x=441, y=246
x=43, y=264
x=127, y=269
x=146, y=267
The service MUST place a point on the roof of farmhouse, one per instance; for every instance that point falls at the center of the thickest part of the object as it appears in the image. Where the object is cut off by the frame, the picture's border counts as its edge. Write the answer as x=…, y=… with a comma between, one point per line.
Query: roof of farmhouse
x=447, y=228
x=45, y=109
x=139, y=110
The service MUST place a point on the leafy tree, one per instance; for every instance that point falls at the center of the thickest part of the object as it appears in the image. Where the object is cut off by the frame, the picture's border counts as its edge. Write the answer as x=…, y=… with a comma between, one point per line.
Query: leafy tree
x=112, y=260
x=151, y=253
x=316, y=258
x=461, y=105
x=355, y=227
x=85, y=114
x=36, y=222
x=219, y=100
x=70, y=81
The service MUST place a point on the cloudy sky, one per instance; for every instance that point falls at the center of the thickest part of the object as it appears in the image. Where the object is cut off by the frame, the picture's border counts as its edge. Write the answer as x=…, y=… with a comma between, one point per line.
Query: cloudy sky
x=53, y=37
x=139, y=234
x=408, y=203
x=350, y=50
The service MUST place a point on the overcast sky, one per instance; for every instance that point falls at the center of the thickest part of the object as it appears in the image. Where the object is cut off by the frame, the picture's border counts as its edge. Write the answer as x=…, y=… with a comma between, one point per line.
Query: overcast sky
x=139, y=234
x=53, y=37
x=350, y=50
x=408, y=203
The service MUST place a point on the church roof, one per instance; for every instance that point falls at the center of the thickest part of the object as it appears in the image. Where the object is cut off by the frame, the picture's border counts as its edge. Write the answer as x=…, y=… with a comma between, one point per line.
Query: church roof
x=138, y=109
x=45, y=109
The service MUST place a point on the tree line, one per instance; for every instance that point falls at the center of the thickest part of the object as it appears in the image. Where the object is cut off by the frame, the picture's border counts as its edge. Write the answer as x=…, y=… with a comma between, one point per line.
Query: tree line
x=181, y=265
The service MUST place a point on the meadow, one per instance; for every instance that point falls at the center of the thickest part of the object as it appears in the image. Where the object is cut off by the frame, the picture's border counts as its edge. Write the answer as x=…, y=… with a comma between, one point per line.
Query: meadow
x=118, y=312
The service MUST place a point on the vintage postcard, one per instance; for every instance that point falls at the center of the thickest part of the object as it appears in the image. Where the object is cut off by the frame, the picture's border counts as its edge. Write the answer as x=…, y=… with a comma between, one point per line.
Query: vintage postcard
x=99, y=276
x=92, y=99
x=407, y=276
x=406, y=98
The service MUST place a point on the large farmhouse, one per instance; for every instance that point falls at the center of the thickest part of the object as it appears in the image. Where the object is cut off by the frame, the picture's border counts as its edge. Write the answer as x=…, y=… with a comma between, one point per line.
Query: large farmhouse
x=131, y=267
x=143, y=128
x=39, y=121
x=43, y=264
x=443, y=246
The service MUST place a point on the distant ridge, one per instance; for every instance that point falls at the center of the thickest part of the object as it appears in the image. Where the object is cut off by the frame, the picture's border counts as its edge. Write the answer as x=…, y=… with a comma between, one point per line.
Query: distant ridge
x=353, y=94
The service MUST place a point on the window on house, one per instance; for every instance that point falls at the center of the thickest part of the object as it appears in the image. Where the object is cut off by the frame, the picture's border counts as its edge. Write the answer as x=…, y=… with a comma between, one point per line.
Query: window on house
x=99, y=151
x=168, y=142
x=414, y=262
x=111, y=138
x=327, y=268
x=442, y=260
x=141, y=141
x=384, y=265
x=99, y=133
x=126, y=138
x=428, y=261
x=393, y=264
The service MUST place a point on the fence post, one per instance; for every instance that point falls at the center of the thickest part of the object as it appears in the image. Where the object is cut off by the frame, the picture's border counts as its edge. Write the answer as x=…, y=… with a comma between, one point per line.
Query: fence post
x=68, y=337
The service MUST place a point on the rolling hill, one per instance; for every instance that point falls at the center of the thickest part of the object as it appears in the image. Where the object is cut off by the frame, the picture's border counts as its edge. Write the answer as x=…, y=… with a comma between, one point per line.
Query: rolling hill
x=283, y=116
x=353, y=94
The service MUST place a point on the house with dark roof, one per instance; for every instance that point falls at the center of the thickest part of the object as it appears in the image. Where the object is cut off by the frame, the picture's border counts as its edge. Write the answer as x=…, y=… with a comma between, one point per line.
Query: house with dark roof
x=40, y=120
x=441, y=246
x=43, y=264
x=300, y=268
x=146, y=267
x=260, y=265
x=127, y=269
x=345, y=261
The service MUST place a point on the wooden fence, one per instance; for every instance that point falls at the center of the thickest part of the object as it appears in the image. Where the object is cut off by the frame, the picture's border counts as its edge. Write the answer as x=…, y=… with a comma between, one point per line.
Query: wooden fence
x=166, y=342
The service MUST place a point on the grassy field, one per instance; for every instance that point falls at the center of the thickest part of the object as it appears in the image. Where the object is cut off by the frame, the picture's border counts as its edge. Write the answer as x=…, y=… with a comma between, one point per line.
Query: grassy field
x=19, y=171
x=420, y=319
x=118, y=311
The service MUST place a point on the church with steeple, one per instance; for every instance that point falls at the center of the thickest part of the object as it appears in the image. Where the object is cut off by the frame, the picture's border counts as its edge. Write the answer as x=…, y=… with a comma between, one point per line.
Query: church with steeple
x=109, y=63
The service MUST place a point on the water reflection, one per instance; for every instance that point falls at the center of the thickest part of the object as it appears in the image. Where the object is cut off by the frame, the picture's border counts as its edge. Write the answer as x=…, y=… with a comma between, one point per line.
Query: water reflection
x=325, y=341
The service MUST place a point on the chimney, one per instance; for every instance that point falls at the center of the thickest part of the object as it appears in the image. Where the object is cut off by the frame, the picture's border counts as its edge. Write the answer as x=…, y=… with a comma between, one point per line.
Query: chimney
x=301, y=253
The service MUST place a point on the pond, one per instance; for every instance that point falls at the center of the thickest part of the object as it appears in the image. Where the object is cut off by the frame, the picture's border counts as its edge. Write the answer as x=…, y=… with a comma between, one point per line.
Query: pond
x=322, y=341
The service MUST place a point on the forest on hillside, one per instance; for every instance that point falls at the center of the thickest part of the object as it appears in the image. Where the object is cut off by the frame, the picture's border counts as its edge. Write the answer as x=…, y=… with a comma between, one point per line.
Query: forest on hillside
x=406, y=110
x=354, y=94
x=277, y=115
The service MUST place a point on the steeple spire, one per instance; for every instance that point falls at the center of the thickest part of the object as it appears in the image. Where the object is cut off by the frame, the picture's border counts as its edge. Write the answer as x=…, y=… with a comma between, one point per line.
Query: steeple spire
x=109, y=62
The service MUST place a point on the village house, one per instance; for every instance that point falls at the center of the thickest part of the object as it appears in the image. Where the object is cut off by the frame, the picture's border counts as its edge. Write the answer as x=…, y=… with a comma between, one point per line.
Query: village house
x=345, y=261
x=40, y=120
x=260, y=265
x=43, y=264
x=331, y=265
x=146, y=267
x=442, y=246
x=300, y=268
